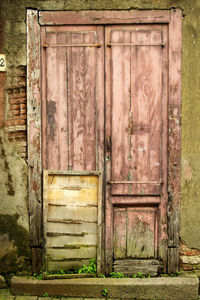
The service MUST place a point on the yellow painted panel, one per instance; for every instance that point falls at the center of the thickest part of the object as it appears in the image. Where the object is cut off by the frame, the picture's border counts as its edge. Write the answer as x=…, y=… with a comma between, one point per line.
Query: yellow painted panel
x=66, y=265
x=60, y=254
x=72, y=228
x=71, y=220
x=61, y=241
x=73, y=213
x=62, y=181
x=73, y=197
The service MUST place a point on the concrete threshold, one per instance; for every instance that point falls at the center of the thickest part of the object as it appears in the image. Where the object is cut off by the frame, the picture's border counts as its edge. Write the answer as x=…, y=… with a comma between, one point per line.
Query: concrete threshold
x=176, y=288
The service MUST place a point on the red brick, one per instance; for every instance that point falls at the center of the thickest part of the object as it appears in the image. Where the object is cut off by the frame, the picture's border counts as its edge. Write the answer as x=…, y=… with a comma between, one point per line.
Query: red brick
x=187, y=267
x=18, y=101
x=23, y=111
x=15, y=122
x=14, y=112
x=17, y=95
x=14, y=107
x=22, y=105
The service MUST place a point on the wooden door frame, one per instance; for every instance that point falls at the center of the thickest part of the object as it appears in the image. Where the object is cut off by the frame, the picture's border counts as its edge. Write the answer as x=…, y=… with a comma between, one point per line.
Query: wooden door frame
x=35, y=19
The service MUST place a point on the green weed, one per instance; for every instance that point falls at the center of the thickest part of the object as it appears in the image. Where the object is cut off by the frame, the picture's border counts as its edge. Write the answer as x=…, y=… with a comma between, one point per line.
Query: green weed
x=92, y=268
x=104, y=293
x=116, y=275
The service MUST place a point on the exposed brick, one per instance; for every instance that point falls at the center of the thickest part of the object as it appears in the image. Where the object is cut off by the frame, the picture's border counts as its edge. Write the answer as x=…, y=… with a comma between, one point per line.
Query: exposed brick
x=23, y=111
x=184, y=250
x=22, y=105
x=14, y=112
x=14, y=107
x=189, y=267
x=18, y=101
x=16, y=122
x=17, y=95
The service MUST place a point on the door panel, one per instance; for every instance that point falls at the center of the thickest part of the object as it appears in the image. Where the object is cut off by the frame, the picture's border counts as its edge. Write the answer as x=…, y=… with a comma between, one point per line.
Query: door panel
x=136, y=126
x=73, y=98
x=136, y=117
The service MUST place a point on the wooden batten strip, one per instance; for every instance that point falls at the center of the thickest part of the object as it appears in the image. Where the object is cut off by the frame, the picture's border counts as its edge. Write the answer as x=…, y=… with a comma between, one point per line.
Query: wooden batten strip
x=67, y=221
x=133, y=45
x=52, y=234
x=62, y=204
x=72, y=45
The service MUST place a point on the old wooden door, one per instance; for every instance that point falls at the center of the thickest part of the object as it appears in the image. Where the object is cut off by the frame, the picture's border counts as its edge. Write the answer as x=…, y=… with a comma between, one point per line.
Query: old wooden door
x=136, y=128
x=136, y=147
x=108, y=97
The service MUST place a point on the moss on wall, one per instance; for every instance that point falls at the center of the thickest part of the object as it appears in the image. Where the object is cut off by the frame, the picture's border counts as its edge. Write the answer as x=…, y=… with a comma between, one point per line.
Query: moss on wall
x=14, y=236
x=13, y=16
x=14, y=245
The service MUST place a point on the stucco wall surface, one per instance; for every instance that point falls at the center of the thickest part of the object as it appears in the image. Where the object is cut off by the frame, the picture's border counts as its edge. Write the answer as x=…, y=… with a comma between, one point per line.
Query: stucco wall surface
x=13, y=191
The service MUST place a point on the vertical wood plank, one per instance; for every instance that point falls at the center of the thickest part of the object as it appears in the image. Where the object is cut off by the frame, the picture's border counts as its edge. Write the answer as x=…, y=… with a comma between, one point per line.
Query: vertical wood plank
x=62, y=104
x=121, y=98
x=108, y=149
x=120, y=233
x=175, y=43
x=100, y=254
x=162, y=216
x=34, y=133
x=52, y=105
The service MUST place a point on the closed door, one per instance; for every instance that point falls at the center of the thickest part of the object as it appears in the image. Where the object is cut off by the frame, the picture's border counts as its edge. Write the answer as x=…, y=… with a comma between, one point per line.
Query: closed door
x=105, y=99
x=136, y=149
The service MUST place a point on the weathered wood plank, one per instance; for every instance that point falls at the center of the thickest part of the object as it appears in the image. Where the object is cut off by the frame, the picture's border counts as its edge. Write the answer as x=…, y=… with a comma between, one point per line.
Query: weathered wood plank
x=173, y=260
x=81, y=197
x=141, y=233
x=121, y=108
x=60, y=241
x=77, y=213
x=79, y=181
x=108, y=148
x=67, y=254
x=67, y=265
x=175, y=46
x=103, y=17
x=135, y=200
x=129, y=267
x=72, y=228
x=34, y=132
x=120, y=233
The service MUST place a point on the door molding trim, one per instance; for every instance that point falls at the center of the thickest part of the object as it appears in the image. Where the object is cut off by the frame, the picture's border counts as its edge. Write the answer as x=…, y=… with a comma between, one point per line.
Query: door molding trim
x=36, y=18
x=93, y=17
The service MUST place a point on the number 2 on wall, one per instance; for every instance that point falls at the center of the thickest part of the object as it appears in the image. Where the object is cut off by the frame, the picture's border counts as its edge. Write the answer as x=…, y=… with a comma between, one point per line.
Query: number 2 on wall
x=2, y=62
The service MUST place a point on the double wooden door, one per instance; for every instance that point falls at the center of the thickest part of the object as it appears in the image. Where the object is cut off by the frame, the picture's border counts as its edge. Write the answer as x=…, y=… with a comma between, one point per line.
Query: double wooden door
x=104, y=107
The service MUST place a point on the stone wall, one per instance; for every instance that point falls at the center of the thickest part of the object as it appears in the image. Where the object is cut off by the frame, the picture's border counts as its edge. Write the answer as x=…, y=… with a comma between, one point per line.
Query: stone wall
x=13, y=137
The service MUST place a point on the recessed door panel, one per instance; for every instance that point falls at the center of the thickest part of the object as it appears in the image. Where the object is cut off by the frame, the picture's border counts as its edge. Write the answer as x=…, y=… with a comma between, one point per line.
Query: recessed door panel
x=73, y=97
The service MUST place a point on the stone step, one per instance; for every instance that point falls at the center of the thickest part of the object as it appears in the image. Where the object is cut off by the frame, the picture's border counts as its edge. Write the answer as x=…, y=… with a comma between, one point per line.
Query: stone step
x=176, y=288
